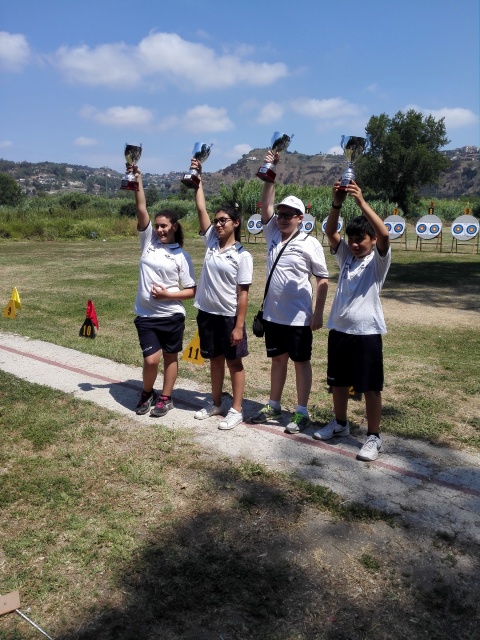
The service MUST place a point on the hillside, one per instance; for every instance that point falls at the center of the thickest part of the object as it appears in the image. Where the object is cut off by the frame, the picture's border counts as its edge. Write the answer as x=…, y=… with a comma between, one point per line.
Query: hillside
x=462, y=178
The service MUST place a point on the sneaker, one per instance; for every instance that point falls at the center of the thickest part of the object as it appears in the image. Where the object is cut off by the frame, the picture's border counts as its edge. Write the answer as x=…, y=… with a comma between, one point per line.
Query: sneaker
x=371, y=448
x=298, y=423
x=266, y=413
x=231, y=420
x=209, y=411
x=331, y=430
x=162, y=406
x=145, y=402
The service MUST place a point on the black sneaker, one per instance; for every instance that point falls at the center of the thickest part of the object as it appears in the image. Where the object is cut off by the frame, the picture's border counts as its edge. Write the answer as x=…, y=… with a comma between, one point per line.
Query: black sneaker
x=145, y=402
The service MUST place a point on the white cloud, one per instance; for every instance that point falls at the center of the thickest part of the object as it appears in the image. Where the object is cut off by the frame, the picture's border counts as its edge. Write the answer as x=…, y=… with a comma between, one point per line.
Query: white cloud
x=335, y=151
x=238, y=151
x=206, y=119
x=167, y=58
x=14, y=51
x=135, y=117
x=332, y=108
x=5, y=144
x=81, y=141
x=455, y=117
x=270, y=113
x=112, y=66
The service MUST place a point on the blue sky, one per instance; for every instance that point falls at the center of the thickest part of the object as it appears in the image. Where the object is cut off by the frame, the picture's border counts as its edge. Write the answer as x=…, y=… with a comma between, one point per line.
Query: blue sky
x=78, y=80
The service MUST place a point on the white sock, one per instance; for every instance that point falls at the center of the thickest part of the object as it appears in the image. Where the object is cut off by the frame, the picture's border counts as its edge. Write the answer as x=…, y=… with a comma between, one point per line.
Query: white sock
x=302, y=410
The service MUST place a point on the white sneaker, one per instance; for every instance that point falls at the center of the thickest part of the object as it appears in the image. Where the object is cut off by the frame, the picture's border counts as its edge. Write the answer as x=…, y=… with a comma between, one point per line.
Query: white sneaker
x=231, y=420
x=332, y=430
x=371, y=448
x=210, y=410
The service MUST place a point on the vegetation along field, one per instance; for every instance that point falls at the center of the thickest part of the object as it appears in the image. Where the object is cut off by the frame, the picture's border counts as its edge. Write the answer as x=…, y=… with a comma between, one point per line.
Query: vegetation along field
x=112, y=531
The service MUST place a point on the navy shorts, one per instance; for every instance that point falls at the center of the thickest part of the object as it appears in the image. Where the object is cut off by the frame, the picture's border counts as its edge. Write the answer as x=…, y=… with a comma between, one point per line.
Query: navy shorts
x=215, y=332
x=284, y=338
x=355, y=361
x=160, y=334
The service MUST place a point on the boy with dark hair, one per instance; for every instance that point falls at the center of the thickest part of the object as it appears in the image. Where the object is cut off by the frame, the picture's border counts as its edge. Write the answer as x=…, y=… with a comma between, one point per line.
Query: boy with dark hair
x=356, y=319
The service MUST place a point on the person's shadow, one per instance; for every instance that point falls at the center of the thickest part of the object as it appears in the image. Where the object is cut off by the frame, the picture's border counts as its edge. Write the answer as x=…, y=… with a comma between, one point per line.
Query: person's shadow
x=127, y=393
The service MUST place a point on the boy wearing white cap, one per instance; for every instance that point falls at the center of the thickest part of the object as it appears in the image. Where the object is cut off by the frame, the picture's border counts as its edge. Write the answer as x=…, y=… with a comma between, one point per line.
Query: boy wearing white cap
x=287, y=311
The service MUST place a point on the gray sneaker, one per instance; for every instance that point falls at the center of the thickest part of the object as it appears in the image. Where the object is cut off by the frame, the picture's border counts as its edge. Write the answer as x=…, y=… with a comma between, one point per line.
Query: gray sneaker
x=162, y=406
x=265, y=414
x=298, y=423
x=332, y=430
x=371, y=448
x=209, y=411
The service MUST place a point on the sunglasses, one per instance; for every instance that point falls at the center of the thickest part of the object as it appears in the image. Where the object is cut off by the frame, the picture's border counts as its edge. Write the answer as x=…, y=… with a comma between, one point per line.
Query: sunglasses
x=220, y=221
x=287, y=216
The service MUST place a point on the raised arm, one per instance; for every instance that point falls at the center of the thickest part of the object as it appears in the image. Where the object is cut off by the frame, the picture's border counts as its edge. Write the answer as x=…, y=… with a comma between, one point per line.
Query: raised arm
x=140, y=201
x=381, y=231
x=331, y=226
x=200, y=203
x=268, y=191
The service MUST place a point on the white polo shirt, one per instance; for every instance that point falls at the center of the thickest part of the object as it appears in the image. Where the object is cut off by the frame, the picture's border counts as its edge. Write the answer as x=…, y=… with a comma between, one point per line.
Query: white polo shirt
x=166, y=264
x=356, y=307
x=222, y=271
x=289, y=297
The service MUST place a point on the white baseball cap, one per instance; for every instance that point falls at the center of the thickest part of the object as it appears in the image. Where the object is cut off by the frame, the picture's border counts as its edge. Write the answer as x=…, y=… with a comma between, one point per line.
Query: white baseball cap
x=293, y=202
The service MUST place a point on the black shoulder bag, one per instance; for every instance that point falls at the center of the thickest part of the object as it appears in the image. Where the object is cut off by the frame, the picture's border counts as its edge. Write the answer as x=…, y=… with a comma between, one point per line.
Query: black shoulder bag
x=257, y=326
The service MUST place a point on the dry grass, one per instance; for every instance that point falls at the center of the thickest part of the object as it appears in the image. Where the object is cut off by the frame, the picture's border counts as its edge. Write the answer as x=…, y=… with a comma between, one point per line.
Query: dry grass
x=112, y=531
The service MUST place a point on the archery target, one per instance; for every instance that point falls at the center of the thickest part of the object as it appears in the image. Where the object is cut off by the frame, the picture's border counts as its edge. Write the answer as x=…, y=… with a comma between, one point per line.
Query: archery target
x=396, y=226
x=428, y=227
x=339, y=225
x=308, y=223
x=254, y=224
x=465, y=228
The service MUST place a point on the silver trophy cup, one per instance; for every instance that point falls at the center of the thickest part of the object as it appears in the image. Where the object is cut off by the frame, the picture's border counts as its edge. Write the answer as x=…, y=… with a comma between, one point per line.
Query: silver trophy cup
x=353, y=147
x=200, y=152
x=132, y=156
x=280, y=142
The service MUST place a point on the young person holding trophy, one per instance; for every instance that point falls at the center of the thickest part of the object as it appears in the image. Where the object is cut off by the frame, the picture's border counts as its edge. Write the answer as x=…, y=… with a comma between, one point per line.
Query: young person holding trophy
x=222, y=300
x=287, y=310
x=166, y=278
x=356, y=319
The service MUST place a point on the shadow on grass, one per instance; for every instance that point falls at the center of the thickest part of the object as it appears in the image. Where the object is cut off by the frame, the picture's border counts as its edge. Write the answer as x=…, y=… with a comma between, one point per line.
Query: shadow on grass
x=439, y=283
x=235, y=572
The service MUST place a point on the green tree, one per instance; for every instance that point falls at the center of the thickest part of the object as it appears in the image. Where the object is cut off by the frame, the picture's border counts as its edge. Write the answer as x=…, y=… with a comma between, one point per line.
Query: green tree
x=152, y=195
x=11, y=193
x=404, y=156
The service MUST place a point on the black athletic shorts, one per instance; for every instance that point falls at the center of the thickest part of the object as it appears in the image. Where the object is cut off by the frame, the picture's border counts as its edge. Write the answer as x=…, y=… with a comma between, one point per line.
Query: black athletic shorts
x=283, y=338
x=355, y=361
x=215, y=332
x=165, y=334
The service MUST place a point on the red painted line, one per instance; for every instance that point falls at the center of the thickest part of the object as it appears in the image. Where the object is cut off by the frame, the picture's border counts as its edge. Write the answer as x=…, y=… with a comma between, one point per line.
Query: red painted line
x=263, y=427
x=378, y=463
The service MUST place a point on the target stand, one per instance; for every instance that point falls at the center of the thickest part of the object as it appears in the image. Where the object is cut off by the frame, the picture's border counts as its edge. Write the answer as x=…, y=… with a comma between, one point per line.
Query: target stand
x=465, y=232
x=254, y=227
x=339, y=228
x=397, y=228
x=429, y=231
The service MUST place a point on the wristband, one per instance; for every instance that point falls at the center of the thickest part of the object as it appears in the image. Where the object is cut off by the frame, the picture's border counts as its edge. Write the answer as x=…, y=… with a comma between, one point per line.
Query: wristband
x=334, y=206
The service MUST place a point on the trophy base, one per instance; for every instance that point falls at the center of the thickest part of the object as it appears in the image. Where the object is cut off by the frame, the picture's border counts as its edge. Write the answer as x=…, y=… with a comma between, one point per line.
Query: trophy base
x=190, y=180
x=266, y=174
x=129, y=185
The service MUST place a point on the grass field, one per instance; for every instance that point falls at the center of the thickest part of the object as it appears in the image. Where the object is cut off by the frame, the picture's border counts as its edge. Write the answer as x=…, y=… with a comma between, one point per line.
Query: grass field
x=110, y=531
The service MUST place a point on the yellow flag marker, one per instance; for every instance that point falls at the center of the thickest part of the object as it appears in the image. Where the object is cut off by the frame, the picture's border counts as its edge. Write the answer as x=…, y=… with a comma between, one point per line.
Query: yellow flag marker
x=13, y=304
x=192, y=352
x=16, y=298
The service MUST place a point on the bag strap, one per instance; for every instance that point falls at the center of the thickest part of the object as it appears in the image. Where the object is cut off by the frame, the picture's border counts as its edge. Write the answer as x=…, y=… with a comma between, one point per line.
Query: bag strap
x=275, y=264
